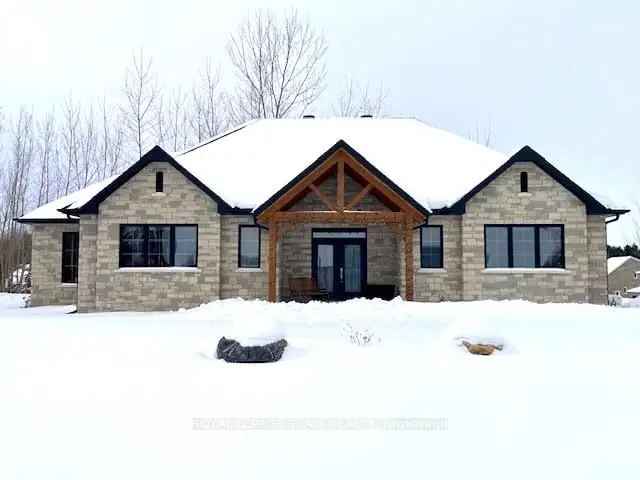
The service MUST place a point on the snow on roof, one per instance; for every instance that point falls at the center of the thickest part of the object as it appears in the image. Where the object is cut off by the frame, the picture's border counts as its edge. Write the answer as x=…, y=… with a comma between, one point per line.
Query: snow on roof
x=248, y=165
x=50, y=211
x=614, y=263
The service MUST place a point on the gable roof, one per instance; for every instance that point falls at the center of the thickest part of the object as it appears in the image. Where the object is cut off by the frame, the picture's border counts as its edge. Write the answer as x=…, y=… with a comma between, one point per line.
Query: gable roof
x=156, y=154
x=253, y=162
x=615, y=263
x=341, y=145
x=528, y=154
x=246, y=167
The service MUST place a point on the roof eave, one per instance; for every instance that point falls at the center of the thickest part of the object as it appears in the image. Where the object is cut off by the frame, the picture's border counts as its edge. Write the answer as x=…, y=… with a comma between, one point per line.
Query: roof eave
x=28, y=221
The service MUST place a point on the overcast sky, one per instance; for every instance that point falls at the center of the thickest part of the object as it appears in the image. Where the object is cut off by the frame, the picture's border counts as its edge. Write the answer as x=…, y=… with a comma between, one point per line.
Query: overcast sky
x=561, y=76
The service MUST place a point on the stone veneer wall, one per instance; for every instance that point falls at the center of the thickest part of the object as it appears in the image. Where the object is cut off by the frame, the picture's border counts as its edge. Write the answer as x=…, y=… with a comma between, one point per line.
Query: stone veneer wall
x=103, y=286
x=295, y=253
x=547, y=203
x=597, y=252
x=247, y=283
x=295, y=244
x=162, y=289
x=46, y=265
x=87, y=260
x=432, y=285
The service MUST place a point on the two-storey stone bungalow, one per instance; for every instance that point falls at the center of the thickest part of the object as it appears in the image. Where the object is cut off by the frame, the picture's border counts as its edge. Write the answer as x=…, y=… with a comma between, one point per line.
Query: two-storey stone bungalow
x=361, y=205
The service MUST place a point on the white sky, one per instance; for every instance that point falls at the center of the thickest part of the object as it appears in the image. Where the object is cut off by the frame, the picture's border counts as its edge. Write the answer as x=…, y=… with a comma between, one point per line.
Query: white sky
x=562, y=76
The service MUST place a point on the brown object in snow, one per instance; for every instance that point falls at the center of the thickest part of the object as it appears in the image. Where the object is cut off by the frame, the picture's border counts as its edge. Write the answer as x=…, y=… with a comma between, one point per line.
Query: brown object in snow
x=480, y=348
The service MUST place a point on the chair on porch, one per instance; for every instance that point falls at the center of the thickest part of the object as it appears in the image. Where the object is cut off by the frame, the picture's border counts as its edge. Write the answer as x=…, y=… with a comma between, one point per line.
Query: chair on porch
x=304, y=289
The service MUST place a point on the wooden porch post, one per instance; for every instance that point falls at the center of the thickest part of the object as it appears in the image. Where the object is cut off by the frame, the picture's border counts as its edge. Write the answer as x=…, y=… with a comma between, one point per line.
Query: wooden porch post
x=271, y=269
x=408, y=259
x=340, y=187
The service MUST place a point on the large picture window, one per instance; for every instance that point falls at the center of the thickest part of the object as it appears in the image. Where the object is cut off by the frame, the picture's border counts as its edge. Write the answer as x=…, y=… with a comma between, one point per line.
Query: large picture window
x=248, y=246
x=158, y=245
x=431, y=247
x=524, y=246
x=70, y=244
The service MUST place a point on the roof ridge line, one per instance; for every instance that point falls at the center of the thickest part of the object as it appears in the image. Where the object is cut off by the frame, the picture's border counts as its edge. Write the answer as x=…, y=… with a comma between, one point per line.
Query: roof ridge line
x=216, y=137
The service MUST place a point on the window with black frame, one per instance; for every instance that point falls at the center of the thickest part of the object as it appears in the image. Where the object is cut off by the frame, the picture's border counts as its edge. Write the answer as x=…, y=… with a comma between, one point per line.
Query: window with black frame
x=524, y=246
x=70, y=249
x=431, y=255
x=158, y=245
x=248, y=246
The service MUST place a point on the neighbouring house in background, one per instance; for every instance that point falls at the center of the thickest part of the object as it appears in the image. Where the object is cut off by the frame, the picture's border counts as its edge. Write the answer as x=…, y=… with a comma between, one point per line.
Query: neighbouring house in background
x=624, y=276
x=359, y=205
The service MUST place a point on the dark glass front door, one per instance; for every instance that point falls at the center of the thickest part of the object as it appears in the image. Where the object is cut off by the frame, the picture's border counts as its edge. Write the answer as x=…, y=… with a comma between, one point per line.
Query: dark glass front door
x=340, y=261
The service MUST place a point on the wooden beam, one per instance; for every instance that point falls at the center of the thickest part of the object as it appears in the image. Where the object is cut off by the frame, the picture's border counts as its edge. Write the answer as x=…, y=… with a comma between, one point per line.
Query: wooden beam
x=408, y=260
x=273, y=242
x=322, y=197
x=382, y=188
x=296, y=190
x=340, y=189
x=339, y=217
x=358, y=198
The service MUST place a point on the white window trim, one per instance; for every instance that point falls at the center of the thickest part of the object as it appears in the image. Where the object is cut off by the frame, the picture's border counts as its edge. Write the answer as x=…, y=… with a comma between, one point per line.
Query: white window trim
x=69, y=285
x=432, y=270
x=502, y=271
x=158, y=270
x=249, y=269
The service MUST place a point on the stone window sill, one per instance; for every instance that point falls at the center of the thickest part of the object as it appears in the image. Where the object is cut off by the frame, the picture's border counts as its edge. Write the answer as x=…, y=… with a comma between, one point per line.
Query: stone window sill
x=524, y=194
x=249, y=270
x=159, y=270
x=69, y=285
x=543, y=271
x=158, y=194
x=432, y=270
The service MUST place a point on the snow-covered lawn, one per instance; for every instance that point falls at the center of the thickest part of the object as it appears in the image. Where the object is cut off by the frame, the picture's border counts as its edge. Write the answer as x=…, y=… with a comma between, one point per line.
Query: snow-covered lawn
x=104, y=396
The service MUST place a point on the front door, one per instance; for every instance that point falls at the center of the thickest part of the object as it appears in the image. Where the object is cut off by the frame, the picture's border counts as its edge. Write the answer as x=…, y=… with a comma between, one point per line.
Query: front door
x=339, y=259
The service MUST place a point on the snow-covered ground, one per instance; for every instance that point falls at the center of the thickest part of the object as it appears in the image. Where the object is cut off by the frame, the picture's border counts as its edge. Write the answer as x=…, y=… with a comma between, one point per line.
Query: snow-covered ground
x=103, y=396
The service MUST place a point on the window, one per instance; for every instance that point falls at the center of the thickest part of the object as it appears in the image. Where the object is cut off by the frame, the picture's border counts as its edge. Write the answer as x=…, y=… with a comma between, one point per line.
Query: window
x=158, y=245
x=431, y=247
x=70, y=244
x=496, y=241
x=186, y=245
x=248, y=246
x=524, y=182
x=524, y=246
x=159, y=181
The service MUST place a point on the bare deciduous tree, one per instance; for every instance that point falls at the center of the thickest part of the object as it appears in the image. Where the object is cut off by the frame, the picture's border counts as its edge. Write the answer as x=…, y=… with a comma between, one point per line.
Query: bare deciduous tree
x=70, y=137
x=47, y=153
x=279, y=64
x=141, y=98
x=355, y=100
x=482, y=136
x=15, y=187
x=208, y=118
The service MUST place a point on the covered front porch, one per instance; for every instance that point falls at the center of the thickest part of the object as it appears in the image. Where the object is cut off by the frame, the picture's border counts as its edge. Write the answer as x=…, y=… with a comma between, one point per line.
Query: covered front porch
x=344, y=225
